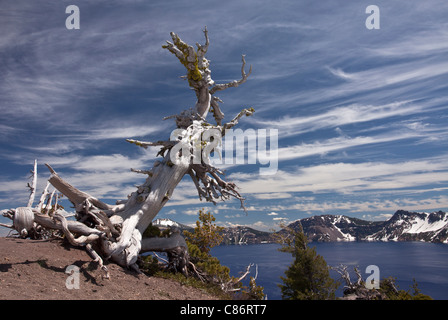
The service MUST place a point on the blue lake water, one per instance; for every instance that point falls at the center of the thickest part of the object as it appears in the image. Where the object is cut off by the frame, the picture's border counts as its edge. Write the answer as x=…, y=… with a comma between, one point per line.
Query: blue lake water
x=426, y=262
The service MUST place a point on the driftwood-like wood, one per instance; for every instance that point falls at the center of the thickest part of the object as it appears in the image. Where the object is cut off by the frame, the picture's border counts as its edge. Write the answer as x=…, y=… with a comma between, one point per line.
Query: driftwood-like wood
x=23, y=220
x=358, y=290
x=115, y=230
x=33, y=185
x=175, y=247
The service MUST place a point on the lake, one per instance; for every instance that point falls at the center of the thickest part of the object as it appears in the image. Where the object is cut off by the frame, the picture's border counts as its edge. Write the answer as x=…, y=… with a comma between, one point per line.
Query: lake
x=426, y=262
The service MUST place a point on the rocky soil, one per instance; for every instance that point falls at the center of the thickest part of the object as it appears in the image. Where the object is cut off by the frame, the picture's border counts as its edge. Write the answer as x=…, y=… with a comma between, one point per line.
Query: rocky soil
x=36, y=270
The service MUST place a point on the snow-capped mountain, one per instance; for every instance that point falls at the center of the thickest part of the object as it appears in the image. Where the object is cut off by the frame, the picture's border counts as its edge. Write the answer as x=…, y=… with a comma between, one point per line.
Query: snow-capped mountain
x=402, y=226
x=327, y=228
x=245, y=235
x=413, y=226
x=231, y=235
x=168, y=223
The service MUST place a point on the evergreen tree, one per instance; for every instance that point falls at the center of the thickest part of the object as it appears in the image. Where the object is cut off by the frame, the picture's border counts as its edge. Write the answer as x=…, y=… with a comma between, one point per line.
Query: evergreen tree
x=391, y=291
x=206, y=234
x=308, y=277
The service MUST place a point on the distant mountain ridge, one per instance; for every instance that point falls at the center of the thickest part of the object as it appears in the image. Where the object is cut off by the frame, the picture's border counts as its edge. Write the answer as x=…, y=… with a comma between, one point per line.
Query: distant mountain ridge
x=328, y=228
x=168, y=223
x=245, y=235
x=414, y=226
x=402, y=226
x=231, y=235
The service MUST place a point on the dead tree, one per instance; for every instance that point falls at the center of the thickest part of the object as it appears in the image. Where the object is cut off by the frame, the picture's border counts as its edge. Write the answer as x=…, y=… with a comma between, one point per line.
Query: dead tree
x=24, y=220
x=114, y=231
x=357, y=290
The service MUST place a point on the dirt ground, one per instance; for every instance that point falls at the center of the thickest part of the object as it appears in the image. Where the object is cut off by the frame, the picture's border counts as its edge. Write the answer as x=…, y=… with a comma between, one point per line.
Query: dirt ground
x=36, y=270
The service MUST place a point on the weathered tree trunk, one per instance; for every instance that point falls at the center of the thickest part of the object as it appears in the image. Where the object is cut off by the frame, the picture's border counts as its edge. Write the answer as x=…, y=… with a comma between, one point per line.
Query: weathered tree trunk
x=175, y=247
x=358, y=290
x=117, y=229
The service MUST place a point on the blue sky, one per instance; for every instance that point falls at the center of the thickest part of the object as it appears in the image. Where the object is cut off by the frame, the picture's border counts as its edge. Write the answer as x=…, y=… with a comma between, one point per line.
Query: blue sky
x=361, y=114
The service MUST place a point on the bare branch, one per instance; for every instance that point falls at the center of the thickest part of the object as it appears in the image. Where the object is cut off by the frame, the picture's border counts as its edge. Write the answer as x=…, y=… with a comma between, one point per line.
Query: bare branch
x=162, y=244
x=143, y=144
x=256, y=272
x=43, y=197
x=234, y=122
x=160, y=258
x=80, y=241
x=7, y=225
x=55, y=207
x=50, y=168
x=148, y=172
x=202, y=50
x=33, y=185
x=244, y=275
x=76, y=196
x=199, y=274
x=185, y=118
x=358, y=274
x=201, y=192
x=174, y=47
x=105, y=222
x=187, y=56
x=234, y=83
x=48, y=206
x=217, y=113
x=97, y=259
x=345, y=275
x=73, y=226
x=8, y=213
x=214, y=187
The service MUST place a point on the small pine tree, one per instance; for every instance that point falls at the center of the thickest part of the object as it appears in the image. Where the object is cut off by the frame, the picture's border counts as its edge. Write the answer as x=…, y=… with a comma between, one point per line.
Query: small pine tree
x=390, y=289
x=151, y=231
x=308, y=277
x=206, y=234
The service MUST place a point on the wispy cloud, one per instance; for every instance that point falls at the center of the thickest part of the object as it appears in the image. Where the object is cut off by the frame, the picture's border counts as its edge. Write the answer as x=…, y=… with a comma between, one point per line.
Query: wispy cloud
x=350, y=104
x=349, y=177
x=340, y=116
x=422, y=43
x=378, y=207
x=338, y=72
x=341, y=143
x=273, y=195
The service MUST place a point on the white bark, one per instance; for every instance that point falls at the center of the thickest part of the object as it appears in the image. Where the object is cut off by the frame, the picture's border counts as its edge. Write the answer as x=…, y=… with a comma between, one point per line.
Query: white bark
x=234, y=83
x=175, y=246
x=117, y=229
x=23, y=220
x=43, y=197
x=33, y=186
x=142, y=207
x=76, y=196
x=163, y=244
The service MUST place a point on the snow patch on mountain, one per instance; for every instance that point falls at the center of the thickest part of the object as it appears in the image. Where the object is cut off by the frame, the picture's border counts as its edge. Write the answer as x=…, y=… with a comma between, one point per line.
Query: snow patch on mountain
x=414, y=226
x=425, y=225
x=402, y=226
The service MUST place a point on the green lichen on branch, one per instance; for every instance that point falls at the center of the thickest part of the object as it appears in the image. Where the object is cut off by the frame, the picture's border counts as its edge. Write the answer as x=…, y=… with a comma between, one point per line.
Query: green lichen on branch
x=187, y=56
